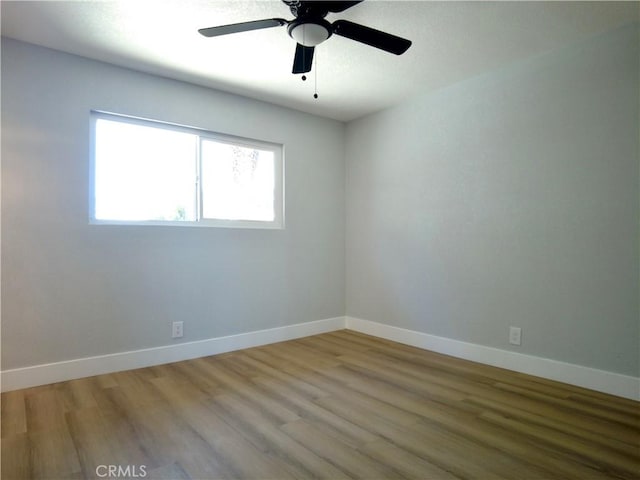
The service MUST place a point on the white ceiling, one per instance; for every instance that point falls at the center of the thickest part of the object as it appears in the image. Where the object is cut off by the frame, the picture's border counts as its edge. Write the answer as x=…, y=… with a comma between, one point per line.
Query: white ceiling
x=451, y=41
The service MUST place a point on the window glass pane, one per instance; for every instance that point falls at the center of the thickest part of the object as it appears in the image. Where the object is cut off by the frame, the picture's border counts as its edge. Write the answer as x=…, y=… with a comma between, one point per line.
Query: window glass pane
x=237, y=182
x=144, y=173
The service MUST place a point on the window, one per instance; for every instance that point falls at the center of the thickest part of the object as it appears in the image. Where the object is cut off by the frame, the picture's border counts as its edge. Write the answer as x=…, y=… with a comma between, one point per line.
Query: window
x=153, y=173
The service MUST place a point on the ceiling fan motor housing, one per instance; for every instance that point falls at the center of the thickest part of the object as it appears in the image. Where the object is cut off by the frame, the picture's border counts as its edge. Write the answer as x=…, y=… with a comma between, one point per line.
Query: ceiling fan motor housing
x=309, y=31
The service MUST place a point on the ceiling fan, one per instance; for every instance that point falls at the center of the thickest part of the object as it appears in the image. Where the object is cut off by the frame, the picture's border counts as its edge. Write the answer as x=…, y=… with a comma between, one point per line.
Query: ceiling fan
x=310, y=28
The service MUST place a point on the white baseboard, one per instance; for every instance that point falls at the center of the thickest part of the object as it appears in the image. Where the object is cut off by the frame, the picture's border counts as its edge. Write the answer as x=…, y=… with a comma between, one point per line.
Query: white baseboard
x=86, y=367
x=600, y=380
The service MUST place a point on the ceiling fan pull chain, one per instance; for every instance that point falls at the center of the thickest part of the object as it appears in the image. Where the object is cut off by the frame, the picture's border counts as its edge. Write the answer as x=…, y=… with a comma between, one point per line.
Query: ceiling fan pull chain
x=315, y=74
x=304, y=41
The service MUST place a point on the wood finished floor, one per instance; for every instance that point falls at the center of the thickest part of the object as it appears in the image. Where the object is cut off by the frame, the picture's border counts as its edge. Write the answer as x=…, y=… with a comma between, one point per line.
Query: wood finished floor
x=337, y=405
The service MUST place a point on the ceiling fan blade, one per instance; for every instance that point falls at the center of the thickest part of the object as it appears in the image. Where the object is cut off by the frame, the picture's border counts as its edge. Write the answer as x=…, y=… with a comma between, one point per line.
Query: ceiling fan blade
x=371, y=36
x=337, y=7
x=303, y=59
x=242, y=27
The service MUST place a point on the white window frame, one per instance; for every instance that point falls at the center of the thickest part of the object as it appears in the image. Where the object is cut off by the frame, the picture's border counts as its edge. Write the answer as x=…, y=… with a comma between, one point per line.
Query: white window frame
x=202, y=134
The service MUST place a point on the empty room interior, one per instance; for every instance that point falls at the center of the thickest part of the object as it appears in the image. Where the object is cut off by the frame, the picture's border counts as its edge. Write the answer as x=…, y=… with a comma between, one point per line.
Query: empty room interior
x=306, y=239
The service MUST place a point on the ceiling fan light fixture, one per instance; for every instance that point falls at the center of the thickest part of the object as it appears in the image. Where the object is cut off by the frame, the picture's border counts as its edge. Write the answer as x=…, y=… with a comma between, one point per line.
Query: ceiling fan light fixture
x=310, y=33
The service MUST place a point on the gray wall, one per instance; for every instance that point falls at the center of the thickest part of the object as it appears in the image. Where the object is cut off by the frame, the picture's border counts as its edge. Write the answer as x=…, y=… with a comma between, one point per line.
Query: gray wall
x=507, y=199
x=71, y=290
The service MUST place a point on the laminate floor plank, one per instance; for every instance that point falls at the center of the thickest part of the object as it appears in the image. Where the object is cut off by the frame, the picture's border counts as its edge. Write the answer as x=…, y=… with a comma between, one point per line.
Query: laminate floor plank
x=549, y=406
x=602, y=458
x=96, y=441
x=421, y=440
x=44, y=410
x=265, y=371
x=606, y=442
x=53, y=454
x=77, y=394
x=407, y=464
x=330, y=449
x=626, y=407
x=13, y=415
x=269, y=438
x=205, y=431
x=346, y=431
x=337, y=405
x=15, y=457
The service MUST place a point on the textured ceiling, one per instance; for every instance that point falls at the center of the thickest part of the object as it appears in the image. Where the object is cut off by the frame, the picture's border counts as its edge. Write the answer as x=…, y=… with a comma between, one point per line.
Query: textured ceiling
x=451, y=41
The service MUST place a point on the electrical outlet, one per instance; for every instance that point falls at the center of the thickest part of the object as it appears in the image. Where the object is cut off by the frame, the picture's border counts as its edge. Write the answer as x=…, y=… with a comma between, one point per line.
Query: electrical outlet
x=177, y=330
x=515, y=334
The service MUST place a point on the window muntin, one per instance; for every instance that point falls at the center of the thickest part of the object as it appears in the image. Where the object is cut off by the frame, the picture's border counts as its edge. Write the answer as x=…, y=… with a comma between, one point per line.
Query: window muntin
x=153, y=173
